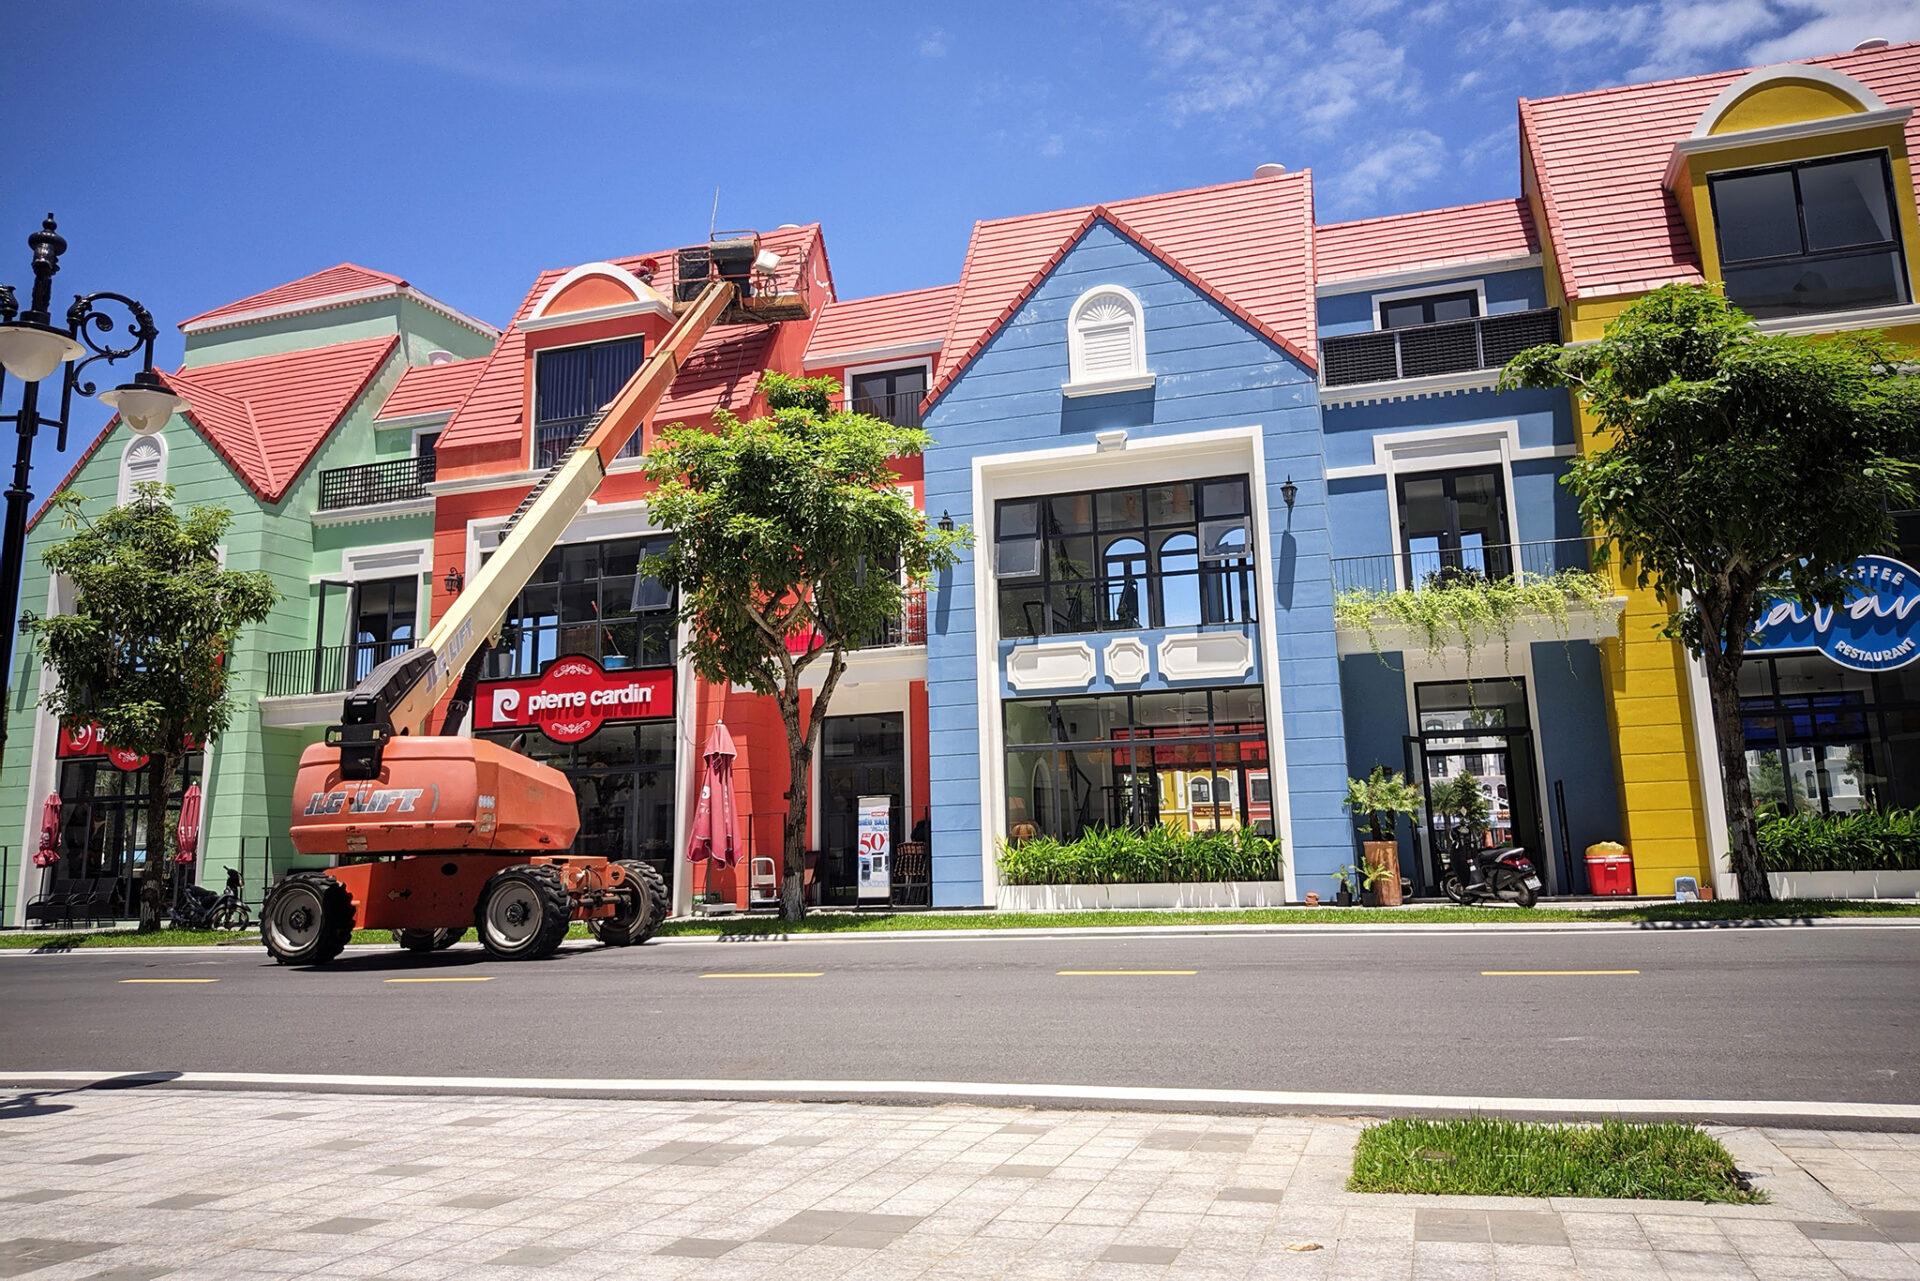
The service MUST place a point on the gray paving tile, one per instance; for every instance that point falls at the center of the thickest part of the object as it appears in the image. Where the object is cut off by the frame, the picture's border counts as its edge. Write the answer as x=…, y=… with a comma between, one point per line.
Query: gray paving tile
x=1270, y=1196
x=798, y=1141
x=534, y=1256
x=1151, y=1255
x=1840, y=1231
x=717, y=1153
x=22, y=1255
x=343, y=1145
x=1015, y=1170
x=475, y=1121
x=856, y=1239
x=102, y=1158
x=409, y=1170
x=895, y=1223
x=40, y=1196
x=482, y=1200
x=128, y=1274
x=341, y=1226
x=289, y=1116
x=1451, y=1225
x=1526, y=1227
x=697, y=1248
x=186, y=1200
x=1025, y=1127
x=1898, y=1225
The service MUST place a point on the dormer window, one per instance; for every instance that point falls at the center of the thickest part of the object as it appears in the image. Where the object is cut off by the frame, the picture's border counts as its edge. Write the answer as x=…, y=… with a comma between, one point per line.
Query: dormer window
x=1106, y=343
x=570, y=385
x=1819, y=235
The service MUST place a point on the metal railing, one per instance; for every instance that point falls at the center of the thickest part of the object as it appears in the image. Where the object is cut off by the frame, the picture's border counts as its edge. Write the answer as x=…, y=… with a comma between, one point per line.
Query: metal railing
x=329, y=669
x=1450, y=347
x=1417, y=570
x=371, y=483
x=908, y=629
x=901, y=408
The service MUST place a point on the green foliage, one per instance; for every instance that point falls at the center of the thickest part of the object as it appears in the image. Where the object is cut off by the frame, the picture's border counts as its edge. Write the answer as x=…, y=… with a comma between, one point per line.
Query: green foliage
x=1488, y=1156
x=1463, y=800
x=1158, y=855
x=786, y=529
x=154, y=617
x=1460, y=612
x=1861, y=841
x=1377, y=801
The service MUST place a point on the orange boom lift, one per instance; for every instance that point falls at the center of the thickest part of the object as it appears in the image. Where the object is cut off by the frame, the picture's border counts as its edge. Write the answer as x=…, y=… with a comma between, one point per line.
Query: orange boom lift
x=463, y=832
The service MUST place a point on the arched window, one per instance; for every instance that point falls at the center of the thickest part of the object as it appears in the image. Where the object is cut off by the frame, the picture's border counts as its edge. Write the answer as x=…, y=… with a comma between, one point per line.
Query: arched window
x=1106, y=342
x=144, y=461
x=1199, y=791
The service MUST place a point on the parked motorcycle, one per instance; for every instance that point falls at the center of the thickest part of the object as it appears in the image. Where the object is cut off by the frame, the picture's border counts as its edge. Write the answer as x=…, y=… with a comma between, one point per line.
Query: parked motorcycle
x=1476, y=875
x=201, y=909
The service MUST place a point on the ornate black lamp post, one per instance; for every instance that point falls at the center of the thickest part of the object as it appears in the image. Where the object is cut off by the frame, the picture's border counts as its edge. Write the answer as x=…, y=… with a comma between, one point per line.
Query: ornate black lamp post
x=32, y=348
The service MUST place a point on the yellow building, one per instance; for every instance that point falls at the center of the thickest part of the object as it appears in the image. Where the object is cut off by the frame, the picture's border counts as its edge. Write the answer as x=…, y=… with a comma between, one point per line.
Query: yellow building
x=1789, y=186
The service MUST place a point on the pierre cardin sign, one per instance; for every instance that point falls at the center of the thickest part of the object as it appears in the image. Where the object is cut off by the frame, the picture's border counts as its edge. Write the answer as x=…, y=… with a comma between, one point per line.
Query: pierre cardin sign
x=573, y=698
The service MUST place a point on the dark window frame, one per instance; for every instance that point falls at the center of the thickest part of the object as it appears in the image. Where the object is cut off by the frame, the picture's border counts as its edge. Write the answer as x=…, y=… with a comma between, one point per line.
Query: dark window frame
x=1124, y=588
x=1496, y=557
x=535, y=630
x=552, y=435
x=1426, y=303
x=901, y=408
x=1894, y=245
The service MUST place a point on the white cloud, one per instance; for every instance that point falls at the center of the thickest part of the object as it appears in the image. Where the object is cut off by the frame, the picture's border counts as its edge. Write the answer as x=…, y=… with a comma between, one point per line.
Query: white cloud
x=933, y=43
x=1829, y=26
x=1393, y=166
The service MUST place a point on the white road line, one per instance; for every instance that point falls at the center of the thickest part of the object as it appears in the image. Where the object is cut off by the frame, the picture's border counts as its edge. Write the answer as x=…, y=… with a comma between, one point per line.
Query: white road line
x=1703, y=1109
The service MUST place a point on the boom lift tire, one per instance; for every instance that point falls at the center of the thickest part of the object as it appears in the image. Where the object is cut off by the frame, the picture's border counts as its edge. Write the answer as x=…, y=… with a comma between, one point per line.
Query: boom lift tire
x=641, y=914
x=307, y=919
x=427, y=940
x=523, y=913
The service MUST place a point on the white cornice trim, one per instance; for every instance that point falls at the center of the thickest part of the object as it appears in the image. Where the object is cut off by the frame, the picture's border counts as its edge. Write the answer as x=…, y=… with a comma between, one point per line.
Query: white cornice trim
x=871, y=355
x=1832, y=322
x=1409, y=388
x=1105, y=386
x=374, y=511
x=612, y=311
x=1782, y=73
x=428, y=419
x=334, y=301
x=300, y=711
x=1424, y=274
x=1800, y=129
x=480, y=484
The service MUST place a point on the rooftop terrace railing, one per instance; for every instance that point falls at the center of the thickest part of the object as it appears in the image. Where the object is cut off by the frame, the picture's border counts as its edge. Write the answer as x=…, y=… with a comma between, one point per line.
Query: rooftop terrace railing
x=371, y=483
x=1417, y=351
x=1417, y=570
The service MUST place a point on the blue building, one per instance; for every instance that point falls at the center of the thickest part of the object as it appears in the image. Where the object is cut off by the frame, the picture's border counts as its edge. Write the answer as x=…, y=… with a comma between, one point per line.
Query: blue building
x=1125, y=409
x=1435, y=476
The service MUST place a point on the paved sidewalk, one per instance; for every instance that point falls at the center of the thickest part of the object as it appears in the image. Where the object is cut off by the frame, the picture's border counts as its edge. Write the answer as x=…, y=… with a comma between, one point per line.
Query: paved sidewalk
x=137, y=1184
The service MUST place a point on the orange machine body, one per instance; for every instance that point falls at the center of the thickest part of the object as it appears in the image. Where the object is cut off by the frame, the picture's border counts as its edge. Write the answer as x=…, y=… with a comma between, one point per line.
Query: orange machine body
x=456, y=810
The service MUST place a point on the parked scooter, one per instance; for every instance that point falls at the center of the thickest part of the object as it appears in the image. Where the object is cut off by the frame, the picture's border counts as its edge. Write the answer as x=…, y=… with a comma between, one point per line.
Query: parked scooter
x=1476, y=875
x=202, y=909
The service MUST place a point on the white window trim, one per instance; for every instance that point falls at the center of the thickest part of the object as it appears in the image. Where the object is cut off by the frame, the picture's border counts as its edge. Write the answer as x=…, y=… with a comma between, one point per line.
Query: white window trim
x=1477, y=287
x=848, y=373
x=425, y=429
x=647, y=301
x=126, y=484
x=1136, y=378
x=1493, y=444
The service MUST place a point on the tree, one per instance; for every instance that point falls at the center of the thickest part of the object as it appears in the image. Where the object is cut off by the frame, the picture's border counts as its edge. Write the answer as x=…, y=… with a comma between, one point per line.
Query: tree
x=1379, y=799
x=143, y=654
x=1735, y=468
x=793, y=543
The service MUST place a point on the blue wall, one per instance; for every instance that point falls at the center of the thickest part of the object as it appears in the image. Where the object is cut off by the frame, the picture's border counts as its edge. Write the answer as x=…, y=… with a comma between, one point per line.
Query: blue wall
x=1576, y=749
x=1213, y=372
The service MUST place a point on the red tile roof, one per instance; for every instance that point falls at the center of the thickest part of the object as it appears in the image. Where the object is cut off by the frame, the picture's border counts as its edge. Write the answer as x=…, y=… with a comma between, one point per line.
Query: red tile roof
x=1601, y=161
x=917, y=317
x=1430, y=238
x=1247, y=244
x=268, y=415
x=721, y=371
x=432, y=389
x=321, y=285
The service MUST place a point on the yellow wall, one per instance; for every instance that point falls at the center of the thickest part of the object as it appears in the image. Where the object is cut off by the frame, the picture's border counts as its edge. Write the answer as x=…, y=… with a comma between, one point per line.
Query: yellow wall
x=1784, y=102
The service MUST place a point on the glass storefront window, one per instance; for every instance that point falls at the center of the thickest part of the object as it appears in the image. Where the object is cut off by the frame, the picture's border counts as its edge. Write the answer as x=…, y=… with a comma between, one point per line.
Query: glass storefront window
x=103, y=823
x=1195, y=760
x=623, y=782
x=1826, y=738
x=588, y=598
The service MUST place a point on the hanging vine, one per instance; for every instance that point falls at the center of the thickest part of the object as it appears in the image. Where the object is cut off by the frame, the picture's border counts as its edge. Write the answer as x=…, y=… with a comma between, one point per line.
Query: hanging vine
x=1455, y=615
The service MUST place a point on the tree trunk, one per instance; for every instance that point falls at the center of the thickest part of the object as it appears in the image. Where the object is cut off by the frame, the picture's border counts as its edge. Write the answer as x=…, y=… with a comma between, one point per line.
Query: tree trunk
x=1730, y=734
x=794, y=867
x=151, y=895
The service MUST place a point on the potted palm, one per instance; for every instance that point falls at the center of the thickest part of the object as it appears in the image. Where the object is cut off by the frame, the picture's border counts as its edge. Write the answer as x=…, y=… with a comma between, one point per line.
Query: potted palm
x=1376, y=803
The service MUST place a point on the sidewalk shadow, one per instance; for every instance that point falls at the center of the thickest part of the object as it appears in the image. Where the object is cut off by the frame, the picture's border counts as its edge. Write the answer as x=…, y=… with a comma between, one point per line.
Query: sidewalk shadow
x=32, y=1103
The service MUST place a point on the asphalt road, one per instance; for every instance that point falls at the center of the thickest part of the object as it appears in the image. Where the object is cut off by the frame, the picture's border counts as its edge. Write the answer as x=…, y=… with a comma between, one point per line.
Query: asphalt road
x=1828, y=1014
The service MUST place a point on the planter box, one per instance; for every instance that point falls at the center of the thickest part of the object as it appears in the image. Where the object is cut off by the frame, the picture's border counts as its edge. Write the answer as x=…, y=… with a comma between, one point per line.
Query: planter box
x=1075, y=898
x=1844, y=884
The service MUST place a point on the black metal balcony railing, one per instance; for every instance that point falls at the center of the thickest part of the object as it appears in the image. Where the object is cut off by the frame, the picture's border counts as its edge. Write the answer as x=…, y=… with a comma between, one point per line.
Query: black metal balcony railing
x=372, y=483
x=1451, y=347
x=901, y=408
x=1416, y=570
x=330, y=669
x=908, y=629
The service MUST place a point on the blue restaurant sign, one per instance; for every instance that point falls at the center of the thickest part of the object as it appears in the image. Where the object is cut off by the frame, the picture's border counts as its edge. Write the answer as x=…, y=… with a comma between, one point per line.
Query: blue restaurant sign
x=1877, y=630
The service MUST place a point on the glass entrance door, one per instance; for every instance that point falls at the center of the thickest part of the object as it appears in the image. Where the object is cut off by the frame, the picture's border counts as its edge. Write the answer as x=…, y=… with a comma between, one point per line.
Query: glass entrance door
x=383, y=623
x=1481, y=730
x=859, y=756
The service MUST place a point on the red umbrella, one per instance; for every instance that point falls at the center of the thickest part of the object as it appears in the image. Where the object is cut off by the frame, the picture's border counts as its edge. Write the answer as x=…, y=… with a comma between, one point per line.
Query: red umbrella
x=715, y=827
x=187, y=834
x=49, y=852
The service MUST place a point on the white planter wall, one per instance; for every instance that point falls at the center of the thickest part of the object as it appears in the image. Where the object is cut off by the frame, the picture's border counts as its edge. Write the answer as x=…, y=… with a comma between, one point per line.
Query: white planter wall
x=1075, y=898
x=1844, y=884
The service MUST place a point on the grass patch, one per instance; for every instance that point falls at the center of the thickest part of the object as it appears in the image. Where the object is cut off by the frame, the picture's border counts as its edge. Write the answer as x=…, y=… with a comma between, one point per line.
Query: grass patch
x=1660, y=914
x=1486, y=1156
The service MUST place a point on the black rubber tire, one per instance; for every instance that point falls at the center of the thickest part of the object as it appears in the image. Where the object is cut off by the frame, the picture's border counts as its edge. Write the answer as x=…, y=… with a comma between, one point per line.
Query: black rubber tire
x=444, y=939
x=1451, y=887
x=307, y=919
x=1524, y=895
x=646, y=906
x=523, y=913
x=233, y=917
x=415, y=940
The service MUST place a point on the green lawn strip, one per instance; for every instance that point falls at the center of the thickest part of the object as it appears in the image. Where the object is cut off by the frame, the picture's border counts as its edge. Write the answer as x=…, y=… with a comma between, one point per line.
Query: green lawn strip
x=855, y=923
x=1486, y=1156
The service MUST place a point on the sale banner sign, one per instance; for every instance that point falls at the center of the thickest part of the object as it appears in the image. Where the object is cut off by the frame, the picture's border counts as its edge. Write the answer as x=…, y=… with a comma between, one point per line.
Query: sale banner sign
x=573, y=698
x=874, y=830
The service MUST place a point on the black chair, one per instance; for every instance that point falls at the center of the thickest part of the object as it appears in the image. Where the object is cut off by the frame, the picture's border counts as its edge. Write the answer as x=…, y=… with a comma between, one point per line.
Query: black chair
x=95, y=900
x=912, y=881
x=56, y=905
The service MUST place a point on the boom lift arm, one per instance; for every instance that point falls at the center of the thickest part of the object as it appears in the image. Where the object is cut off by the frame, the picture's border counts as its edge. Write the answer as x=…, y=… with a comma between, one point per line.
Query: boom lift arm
x=399, y=695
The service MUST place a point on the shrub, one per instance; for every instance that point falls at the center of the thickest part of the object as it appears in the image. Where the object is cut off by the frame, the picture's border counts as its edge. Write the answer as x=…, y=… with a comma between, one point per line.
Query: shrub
x=1862, y=841
x=1123, y=856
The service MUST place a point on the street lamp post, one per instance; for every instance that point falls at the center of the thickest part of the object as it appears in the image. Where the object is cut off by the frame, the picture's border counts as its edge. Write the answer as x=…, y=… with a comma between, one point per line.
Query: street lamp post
x=32, y=347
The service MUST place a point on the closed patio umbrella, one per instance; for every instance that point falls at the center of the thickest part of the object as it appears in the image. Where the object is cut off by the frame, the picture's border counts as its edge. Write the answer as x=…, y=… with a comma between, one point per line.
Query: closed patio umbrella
x=715, y=827
x=49, y=852
x=187, y=833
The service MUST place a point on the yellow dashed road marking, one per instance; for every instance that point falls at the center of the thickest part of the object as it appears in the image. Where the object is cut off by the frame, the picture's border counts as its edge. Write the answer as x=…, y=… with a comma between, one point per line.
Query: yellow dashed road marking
x=1514, y=974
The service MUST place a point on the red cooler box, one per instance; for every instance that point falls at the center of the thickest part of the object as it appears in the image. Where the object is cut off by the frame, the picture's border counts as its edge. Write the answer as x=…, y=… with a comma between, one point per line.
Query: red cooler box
x=1609, y=869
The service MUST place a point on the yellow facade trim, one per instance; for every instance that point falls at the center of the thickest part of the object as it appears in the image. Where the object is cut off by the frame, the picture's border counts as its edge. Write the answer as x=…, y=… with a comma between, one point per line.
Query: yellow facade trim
x=1785, y=102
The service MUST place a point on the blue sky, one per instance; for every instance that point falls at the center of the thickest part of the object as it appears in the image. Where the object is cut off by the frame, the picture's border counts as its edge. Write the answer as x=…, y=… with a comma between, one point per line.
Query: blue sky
x=196, y=151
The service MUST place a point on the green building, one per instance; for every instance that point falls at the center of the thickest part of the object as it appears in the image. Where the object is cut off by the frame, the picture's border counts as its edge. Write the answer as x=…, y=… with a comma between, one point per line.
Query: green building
x=313, y=410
